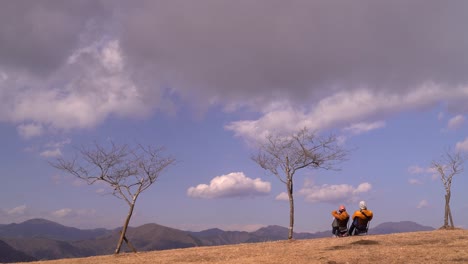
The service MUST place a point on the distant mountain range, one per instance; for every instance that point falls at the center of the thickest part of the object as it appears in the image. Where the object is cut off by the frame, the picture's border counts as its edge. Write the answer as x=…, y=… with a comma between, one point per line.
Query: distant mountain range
x=40, y=239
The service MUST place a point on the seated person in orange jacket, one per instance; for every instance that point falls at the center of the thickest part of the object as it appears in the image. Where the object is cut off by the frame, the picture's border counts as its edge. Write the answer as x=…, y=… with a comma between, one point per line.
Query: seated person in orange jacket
x=340, y=222
x=360, y=219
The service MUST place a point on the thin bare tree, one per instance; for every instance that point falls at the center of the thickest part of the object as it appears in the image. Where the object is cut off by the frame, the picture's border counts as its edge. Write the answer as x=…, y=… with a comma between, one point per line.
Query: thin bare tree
x=448, y=166
x=284, y=156
x=127, y=170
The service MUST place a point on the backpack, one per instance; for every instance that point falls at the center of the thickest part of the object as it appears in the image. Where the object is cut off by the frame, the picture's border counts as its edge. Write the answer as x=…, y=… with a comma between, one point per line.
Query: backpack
x=361, y=228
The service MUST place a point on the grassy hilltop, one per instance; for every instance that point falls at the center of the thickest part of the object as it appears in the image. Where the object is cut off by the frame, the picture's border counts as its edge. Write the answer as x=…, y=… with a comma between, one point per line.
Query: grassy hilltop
x=439, y=246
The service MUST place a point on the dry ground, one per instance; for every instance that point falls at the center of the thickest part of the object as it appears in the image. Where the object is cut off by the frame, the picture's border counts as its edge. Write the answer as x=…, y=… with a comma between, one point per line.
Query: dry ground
x=439, y=246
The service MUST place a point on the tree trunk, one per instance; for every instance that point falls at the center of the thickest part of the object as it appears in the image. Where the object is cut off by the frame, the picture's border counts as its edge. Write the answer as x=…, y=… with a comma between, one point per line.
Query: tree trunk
x=446, y=213
x=449, y=212
x=124, y=228
x=450, y=217
x=291, y=209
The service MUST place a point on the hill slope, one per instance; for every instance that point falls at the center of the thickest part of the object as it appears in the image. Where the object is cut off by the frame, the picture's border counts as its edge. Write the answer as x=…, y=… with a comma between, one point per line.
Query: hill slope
x=439, y=246
x=144, y=238
x=36, y=239
x=9, y=254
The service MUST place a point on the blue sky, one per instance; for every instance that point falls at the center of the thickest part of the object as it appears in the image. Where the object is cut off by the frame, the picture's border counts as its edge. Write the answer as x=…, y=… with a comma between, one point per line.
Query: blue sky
x=208, y=79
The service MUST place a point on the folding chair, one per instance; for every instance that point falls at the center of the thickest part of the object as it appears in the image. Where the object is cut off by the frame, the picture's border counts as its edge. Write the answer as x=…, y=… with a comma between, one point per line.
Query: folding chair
x=343, y=229
x=362, y=230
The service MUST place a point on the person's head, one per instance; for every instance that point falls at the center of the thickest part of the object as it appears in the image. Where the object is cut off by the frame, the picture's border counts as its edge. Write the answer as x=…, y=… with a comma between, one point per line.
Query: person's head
x=362, y=205
x=342, y=208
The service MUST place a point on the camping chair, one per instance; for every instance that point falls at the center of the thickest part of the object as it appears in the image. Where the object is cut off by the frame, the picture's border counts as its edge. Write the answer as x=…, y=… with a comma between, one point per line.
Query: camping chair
x=343, y=229
x=361, y=229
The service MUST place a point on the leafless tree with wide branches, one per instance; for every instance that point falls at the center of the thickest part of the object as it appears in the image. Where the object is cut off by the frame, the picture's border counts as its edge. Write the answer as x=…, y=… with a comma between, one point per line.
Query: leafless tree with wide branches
x=127, y=170
x=284, y=156
x=448, y=166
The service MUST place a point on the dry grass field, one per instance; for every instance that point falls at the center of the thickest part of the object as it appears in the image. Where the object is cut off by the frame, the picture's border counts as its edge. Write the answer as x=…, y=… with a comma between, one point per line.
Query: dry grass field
x=439, y=246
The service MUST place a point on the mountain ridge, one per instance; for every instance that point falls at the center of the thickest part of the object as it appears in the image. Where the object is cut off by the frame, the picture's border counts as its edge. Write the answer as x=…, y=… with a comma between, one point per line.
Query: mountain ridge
x=39, y=227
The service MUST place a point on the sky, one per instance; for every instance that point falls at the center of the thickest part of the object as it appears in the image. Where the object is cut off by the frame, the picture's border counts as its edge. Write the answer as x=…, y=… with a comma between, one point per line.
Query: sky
x=206, y=80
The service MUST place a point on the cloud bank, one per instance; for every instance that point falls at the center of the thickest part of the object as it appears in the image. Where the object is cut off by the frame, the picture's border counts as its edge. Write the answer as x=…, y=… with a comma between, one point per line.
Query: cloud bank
x=320, y=64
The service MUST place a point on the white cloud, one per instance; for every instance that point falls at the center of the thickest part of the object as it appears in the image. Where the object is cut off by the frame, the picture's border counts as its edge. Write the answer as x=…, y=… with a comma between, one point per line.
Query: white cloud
x=415, y=169
x=282, y=197
x=20, y=210
x=58, y=144
x=462, y=146
x=63, y=212
x=340, y=109
x=422, y=204
x=120, y=63
x=363, y=127
x=73, y=213
x=51, y=153
x=415, y=181
x=93, y=85
x=54, y=149
x=31, y=130
x=456, y=122
x=234, y=184
x=334, y=193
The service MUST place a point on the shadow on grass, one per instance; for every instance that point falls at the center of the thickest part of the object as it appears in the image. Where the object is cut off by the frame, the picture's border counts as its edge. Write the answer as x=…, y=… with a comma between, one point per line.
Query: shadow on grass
x=359, y=242
x=464, y=260
x=365, y=242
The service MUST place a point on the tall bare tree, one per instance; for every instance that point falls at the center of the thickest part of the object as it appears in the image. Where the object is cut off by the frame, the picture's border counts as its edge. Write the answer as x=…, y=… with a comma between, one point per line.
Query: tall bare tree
x=284, y=156
x=450, y=165
x=127, y=170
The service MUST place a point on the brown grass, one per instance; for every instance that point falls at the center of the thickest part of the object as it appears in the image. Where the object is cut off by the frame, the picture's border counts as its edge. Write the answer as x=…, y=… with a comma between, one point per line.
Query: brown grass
x=439, y=246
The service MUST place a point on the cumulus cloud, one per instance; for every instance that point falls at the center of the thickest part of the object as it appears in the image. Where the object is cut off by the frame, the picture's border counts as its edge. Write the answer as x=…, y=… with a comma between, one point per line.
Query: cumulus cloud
x=413, y=181
x=419, y=170
x=340, y=109
x=51, y=153
x=456, y=122
x=422, y=204
x=462, y=146
x=62, y=212
x=334, y=193
x=30, y=130
x=363, y=127
x=54, y=149
x=282, y=197
x=93, y=85
x=20, y=210
x=71, y=213
x=234, y=184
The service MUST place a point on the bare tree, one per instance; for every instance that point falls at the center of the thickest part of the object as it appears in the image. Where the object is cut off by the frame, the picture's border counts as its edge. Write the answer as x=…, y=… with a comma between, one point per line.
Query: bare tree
x=128, y=171
x=284, y=156
x=450, y=165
